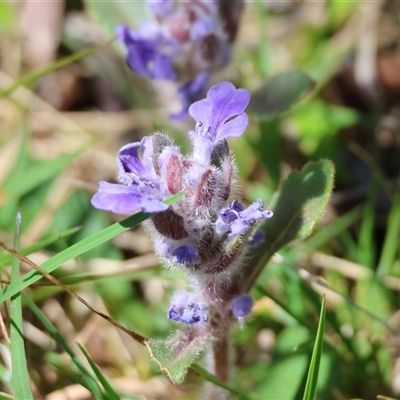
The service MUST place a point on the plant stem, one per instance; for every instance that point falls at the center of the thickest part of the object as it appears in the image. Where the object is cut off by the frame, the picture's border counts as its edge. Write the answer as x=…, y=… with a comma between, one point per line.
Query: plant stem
x=221, y=358
x=220, y=367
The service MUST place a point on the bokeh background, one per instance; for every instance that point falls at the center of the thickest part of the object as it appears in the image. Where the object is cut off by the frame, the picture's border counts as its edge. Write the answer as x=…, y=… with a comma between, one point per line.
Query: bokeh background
x=61, y=129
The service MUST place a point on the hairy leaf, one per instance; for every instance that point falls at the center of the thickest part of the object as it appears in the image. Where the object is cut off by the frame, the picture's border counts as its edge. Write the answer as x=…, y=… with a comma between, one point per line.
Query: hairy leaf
x=297, y=208
x=280, y=93
x=176, y=354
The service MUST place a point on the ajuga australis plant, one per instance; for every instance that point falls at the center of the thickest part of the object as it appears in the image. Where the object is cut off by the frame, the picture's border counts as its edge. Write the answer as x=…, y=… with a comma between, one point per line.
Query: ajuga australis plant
x=210, y=233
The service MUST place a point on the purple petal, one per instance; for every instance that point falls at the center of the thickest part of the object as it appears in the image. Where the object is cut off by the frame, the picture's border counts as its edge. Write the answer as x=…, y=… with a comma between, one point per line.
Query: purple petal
x=202, y=27
x=180, y=300
x=128, y=159
x=149, y=51
x=237, y=220
x=161, y=8
x=153, y=205
x=221, y=114
x=190, y=92
x=201, y=111
x=162, y=68
x=233, y=128
x=196, y=313
x=227, y=101
x=146, y=145
x=116, y=198
x=123, y=199
x=227, y=216
x=239, y=227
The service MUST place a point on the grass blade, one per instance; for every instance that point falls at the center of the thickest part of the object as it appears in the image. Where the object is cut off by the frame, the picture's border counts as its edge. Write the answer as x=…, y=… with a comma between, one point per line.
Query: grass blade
x=78, y=249
x=88, y=377
x=391, y=244
x=35, y=75
x=312, y=378
x=5, y=259
x=111, y=394
x=20, y=377
x=213, y=379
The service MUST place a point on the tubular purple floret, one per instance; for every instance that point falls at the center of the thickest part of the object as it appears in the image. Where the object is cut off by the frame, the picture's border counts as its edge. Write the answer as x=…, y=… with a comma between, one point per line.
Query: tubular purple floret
x=236, y=219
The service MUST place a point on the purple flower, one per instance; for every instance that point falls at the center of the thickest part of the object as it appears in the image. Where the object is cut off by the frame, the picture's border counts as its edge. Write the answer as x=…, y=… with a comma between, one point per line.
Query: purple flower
x=161, y=8
x=241, y=306
x=184, y=310
x=149, y=51
x=139, y=189
x=220, y=116
x=237, y=220
x=182, y=41
x=190, y=92
x=203, y=27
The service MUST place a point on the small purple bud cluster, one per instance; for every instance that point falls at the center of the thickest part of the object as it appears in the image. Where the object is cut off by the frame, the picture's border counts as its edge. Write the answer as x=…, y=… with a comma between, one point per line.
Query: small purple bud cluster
x=241, y=306
x=208, y=230
x=184, y=42
x=185, y=310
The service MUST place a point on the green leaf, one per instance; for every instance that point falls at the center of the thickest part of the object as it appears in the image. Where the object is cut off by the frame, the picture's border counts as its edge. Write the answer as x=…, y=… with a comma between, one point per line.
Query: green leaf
x=112, y=395
x=279, y=93
x=78, y=249
x=20, y=376
x=268, y=148
x=299, y=205
x=35, y=75
x=176, y=354
x=312, y=378
x=297, y=208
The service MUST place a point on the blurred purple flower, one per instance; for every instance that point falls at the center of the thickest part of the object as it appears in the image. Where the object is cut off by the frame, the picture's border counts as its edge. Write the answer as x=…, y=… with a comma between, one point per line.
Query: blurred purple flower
x=190, y=92
x=161, y=7
x=149, y=55
x=184, y=42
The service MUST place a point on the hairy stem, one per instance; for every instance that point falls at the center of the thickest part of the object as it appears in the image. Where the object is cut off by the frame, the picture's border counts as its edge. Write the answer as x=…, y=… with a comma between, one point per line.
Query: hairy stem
x=221, y=358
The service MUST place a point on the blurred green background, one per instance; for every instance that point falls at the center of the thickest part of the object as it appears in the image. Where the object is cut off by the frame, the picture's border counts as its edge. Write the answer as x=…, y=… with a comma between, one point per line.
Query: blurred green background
x=325, y=78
